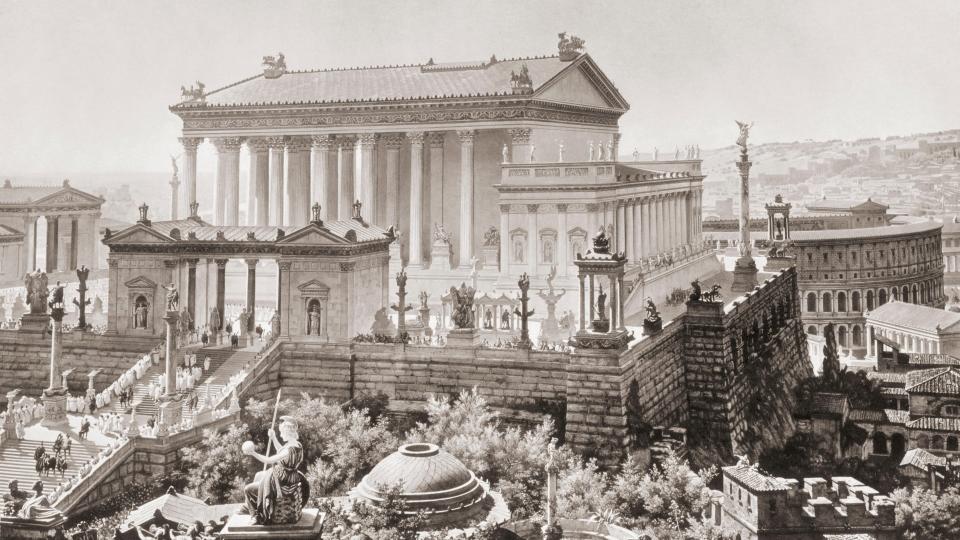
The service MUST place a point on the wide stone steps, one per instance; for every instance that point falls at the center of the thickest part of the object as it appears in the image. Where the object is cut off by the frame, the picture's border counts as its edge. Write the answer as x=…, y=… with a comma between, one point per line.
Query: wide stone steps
x=16, y=462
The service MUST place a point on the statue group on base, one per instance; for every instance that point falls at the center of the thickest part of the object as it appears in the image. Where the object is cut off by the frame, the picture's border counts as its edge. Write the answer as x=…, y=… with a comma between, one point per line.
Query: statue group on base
x=278, y=494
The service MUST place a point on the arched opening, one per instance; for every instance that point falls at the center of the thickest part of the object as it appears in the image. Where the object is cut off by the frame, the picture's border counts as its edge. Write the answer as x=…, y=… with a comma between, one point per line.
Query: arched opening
x=827, y=302
x=936, y=443
x=841, y=302
x=882, y=297
x=811, y=302
x=855, y=301
x=812, y=330
x=870, y=303
x=842, y=336
x=313, y=317
x=952, y=443
x=880, y=443
x=857, y=337
x=914, y=295
x=141, y=309
x=895, y=294
x=923, y=441
x=898, y=445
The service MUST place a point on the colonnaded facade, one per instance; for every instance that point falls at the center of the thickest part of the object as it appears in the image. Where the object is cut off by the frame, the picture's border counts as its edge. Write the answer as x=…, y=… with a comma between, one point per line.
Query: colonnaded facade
x=504, y=166
x=71, y=219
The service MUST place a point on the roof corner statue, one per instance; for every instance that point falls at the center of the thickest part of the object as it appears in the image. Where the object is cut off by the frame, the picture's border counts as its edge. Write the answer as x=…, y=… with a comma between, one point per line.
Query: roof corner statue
x=192, y=94
x=274, y=66
x=569, y=48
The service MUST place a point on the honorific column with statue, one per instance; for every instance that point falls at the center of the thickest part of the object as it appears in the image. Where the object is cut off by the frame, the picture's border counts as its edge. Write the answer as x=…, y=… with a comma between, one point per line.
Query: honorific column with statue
x=745, y=269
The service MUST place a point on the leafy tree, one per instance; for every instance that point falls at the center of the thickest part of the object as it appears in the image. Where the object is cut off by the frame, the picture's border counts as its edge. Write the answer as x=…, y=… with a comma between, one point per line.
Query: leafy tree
x=831, y=356
x=583, y=490
x=925, y=515
x=219, y=470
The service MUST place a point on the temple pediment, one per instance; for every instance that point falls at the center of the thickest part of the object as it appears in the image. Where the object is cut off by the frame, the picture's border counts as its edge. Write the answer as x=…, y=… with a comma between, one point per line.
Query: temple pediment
x=138, y=234
x=313, y=287
x=140, y=282
x=313, y=235
x=582, y=83
x=69, y=196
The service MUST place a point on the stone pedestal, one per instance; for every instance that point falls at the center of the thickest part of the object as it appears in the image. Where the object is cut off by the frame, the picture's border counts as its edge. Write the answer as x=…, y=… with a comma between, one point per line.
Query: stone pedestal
x=171, y=413
x=15, y=528
x=744, y=275
x=651, y=327
x=467, y=338
x=54, y=407
x=440, y=256
x=35, y=323
x=490, y=256
x=775, y=264
x=239, y=528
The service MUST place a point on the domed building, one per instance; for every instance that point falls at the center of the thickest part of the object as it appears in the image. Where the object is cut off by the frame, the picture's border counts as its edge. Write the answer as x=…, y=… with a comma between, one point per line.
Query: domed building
x=435, y=482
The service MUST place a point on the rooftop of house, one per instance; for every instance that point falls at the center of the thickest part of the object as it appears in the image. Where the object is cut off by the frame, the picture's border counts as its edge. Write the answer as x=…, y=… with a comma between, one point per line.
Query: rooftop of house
x=914, y=316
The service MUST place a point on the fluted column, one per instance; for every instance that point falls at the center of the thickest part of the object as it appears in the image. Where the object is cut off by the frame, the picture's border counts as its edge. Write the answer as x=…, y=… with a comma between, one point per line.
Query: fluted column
x=504, y=237
x=563, y=259
x=466, y=196
x=434, y=192
x=520, y=147
x=29, y=257
x=52, y=238
x=674, y=227
x=258, y=196
x=277, y=147
x=189, y=164
x=320, y=175
x=298, y=181
x=392, y=184
x=345, y=193
x=621, y=228
x=637, y=229
x=533, y=238
x=631, y=227
x=657, y=223
x=63, y=249
x=685, y=203
x=251, y=294
x=228, y=181
x=415, y=250
x=367, y=143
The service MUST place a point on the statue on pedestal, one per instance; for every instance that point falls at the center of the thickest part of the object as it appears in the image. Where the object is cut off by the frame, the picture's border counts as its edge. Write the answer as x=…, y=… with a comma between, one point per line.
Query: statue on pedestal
x=652, y=323
x=173, y=297
x=440, y=234
x=523, y=312
x=551, y=326
x=56, y=297
x=244, y=322
x=278, y=494
x=38, y=507
x=744, y=133
x=214, y=320
x=185, y=323
x=275, y=324
x=601, y=242
x=83, y=301
x=37, y=292
x=463, y=306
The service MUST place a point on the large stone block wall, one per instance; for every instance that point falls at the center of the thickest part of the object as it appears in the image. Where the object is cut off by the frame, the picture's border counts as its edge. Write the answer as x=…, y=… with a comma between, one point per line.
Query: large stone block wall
x=656, y=364
x=25, y=359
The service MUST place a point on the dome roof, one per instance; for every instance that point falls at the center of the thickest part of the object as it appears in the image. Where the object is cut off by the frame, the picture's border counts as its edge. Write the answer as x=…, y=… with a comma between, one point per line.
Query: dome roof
x=432, y=481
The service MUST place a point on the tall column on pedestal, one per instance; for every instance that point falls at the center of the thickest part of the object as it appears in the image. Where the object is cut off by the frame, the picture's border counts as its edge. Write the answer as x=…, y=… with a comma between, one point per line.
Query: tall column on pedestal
x=175, y=197
x=228, y=180
x=345, y=194
x=504, y=237
x=55, y=396
x=415, y=249
x=466, y=196
x=276, y=146
x=533, y=238
x=251, y=293
x=29, y=256
x=53, y=238
x=434, y=192
x=745, y=269
x=368, y=144
x=170, y=405
x=520, y=147
x=563, y=258
x=189, y=166
x=298, y=182
x=392, y=184
x=258, y=192
x=320, y=179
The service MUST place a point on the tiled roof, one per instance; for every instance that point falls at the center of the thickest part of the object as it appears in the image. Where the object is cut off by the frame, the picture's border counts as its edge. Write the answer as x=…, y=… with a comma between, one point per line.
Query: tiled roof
x=754, y=479
x=827, y=403
x=942, y=381
x=935, y=423
x=905, y=314
x=833, y=204
x=893, y=391
x=180, y=508
x=920, y=458
x=25, y=194
x=885, y=416
x=888, y=378
x=864, y=233
x=387, y=83
x=931, y=359
x=237, y=233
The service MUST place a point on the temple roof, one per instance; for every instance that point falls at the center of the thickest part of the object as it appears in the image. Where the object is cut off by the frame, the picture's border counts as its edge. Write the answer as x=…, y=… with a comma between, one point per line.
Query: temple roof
x=914, y=316
x=409, y=82
x=180, y=508
x=865, y=233
x=846, y=205
x=64, y=194
x=921, y=459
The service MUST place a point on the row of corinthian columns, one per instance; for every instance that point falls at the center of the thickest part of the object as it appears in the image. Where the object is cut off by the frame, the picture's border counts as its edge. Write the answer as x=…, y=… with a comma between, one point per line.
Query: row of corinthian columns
x=316, y=165
x=646, y=226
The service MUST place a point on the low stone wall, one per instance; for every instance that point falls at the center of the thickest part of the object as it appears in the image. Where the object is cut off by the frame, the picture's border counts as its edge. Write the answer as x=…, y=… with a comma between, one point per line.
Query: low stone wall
x=25, y=359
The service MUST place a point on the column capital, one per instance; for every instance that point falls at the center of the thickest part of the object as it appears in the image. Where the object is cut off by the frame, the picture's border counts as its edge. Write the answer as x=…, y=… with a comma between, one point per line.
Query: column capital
x=251, y=262
x=275, y=143
x=170, y=263
x=284, y=265
x=221, y=263
x=257, y=144
x=562, y=207
x=227, y=144
x=113, y=263
x=192, y=263
x=298, y=144
x=367, y=139
x=532, y=208
x=393, y=141
x=190, y=144
x=519, y=135
x=436, y=139
x=466, y=136
x=416, y=137
x=505, y=208
x=323, y=142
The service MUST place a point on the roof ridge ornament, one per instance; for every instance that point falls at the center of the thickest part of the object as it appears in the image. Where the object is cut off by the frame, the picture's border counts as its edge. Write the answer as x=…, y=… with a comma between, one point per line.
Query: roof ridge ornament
x=274, y=66
x=315, y=210
x=521, y=83
x=143, y=215
x=569, y=47
x=193, y=94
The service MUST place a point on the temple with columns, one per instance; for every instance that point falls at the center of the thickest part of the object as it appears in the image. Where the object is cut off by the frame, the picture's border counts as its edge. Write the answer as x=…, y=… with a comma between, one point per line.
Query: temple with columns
x=502, y=167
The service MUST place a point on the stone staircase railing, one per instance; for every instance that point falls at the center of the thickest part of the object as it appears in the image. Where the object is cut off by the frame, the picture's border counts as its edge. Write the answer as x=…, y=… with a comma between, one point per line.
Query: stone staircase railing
x=79, y=485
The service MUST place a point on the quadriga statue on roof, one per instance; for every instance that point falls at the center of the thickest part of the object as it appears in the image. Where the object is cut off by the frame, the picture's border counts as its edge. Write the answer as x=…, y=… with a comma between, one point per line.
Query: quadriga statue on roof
x=278, y=494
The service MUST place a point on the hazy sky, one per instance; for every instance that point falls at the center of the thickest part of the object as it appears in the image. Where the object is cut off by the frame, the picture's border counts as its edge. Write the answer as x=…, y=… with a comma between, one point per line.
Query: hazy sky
x=86, y=85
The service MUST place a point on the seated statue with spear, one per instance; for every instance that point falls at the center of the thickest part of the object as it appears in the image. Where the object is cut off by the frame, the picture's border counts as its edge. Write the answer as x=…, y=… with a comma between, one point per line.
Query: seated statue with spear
x=279, y=492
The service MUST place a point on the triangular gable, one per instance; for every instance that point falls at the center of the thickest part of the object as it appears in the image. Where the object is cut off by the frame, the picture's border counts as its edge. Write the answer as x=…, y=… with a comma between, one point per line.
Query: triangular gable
x=313, y=234
x=313, y=286
x=869, y=205
x=68, y=196
x=138, y=234
x=582, y=83
x=140, y=282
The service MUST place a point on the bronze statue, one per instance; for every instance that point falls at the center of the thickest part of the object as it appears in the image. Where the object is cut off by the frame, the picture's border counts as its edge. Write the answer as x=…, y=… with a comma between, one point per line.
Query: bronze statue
x=652, y=314
x=601, y=242
x=696, y=294
x=744, y=133
x=491, y=238
x=37, y=292
x=601, y=304
x=463, y=306
x=275, y=324
x=424, y=296
x=140, y=315
x=173, y=297
x=278, y=494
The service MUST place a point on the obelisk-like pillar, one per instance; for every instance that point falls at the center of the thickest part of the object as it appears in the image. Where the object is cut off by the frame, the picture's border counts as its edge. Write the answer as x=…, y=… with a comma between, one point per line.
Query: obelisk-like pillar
x=55, y=396
x=170, y=405
x=745, y=270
